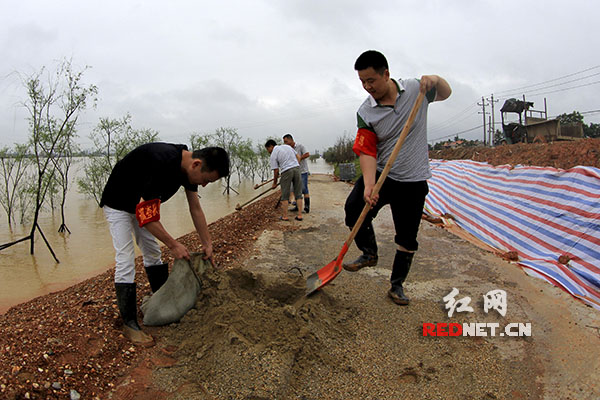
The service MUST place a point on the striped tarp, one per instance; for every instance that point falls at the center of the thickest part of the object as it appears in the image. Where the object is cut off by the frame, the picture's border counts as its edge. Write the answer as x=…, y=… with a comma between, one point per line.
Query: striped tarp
x=541, y=213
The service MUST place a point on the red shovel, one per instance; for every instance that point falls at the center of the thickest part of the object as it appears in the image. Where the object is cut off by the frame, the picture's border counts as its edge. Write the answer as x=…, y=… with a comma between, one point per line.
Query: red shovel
x=328, y=273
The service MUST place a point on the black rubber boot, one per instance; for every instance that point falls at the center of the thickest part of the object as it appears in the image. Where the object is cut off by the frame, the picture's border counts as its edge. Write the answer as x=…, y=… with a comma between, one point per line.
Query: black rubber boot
x=402, y=262
x=126, y=300
x=157, y=275
x=307, y=204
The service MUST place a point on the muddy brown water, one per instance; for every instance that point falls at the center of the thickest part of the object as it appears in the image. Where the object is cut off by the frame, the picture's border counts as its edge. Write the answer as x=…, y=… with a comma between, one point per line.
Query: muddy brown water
x=88, y=250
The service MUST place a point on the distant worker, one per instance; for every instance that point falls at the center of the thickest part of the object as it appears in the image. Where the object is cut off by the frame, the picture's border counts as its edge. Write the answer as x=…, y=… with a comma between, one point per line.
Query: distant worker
x=381, y=118
x=303, y=156
x=285, y=163
x=146, y=177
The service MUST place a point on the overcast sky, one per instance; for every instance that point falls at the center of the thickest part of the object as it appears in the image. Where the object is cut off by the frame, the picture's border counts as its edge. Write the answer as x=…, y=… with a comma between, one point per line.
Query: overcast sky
x=270, y=67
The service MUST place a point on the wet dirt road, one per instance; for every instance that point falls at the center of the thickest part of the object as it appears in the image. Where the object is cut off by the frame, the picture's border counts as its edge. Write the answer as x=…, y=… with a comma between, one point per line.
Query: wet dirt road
x=350, y=341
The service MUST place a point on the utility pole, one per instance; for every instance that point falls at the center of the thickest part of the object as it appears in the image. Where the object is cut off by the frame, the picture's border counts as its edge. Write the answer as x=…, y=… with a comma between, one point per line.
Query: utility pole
x=493, y=125
x=490, y=132
x=483, y=112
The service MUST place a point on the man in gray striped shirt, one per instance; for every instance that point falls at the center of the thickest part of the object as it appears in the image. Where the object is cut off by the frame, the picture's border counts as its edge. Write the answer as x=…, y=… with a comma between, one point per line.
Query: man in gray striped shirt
x=380, y=121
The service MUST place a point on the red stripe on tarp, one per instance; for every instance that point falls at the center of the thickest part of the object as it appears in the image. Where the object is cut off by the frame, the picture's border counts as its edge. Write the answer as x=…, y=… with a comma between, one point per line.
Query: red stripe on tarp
x=582, y=258
x=549, y=247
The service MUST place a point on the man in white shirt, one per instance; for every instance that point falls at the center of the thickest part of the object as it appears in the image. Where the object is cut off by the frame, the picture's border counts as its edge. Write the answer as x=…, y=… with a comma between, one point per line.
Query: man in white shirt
x=284, y=162
x=302, y=156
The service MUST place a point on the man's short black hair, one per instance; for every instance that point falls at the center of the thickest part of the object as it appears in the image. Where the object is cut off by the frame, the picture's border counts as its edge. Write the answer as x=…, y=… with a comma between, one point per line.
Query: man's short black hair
x=270, y=143
x=289, y=136
x=371, y=58
x=213, y=159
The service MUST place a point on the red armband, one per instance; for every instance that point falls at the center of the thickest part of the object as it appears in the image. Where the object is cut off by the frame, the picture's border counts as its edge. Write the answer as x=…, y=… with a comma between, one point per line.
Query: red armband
x=366, y=142
x=147, y=211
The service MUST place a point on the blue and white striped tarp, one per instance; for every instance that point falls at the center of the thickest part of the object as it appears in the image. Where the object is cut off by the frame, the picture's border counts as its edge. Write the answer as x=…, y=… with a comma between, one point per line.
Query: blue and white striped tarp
x=541, y=213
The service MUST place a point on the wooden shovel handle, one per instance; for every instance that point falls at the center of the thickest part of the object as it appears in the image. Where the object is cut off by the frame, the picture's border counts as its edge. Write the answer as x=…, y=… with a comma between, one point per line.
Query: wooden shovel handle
x=261, y=184
x=388, y=166
x=239, y=207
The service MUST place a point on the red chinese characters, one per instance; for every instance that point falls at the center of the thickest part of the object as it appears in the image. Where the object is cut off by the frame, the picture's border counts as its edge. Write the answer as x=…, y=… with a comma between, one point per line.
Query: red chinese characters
x=147, y=211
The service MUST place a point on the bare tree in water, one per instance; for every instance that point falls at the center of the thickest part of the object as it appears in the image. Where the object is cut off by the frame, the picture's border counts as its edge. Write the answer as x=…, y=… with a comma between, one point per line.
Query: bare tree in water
x=54, y=105
x=63, y=163
x=230, y=140
x=244, y=160
x=14, y=169
x=113, y=139
x=248, y=166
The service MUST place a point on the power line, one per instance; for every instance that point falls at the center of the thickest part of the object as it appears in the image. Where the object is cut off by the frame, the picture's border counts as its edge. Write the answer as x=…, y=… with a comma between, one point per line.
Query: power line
x=445, y=127
x=548, y=81
x=591, y=112
x=562, y=90
x=443, y=123
x=538, y=91
x=555, y=85
x=496, y=123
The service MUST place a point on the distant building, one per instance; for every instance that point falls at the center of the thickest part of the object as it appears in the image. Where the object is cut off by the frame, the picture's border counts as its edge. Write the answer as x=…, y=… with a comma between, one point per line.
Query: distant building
x=454, y=144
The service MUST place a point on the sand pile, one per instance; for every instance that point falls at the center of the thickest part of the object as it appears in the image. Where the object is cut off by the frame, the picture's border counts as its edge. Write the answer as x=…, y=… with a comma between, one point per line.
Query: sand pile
x=254, y=336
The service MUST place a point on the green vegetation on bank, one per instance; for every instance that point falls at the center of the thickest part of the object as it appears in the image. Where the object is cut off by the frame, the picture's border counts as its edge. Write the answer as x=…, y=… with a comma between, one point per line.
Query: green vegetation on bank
x=341, y=153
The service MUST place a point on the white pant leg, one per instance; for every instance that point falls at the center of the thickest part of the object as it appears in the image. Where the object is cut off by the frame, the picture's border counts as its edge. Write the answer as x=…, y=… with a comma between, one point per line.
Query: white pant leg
x=121, y=226
x=147, y=243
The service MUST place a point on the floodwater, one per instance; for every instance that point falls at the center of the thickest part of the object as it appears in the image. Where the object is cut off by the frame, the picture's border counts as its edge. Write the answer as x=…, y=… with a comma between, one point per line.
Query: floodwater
x=88, y=251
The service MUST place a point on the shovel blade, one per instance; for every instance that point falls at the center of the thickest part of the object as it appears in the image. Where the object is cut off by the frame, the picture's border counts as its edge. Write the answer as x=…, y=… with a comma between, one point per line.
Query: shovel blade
x=322, y=277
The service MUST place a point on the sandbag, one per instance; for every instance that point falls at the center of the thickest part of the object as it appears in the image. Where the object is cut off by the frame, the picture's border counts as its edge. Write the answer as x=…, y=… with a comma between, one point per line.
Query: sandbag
x=179, y=293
